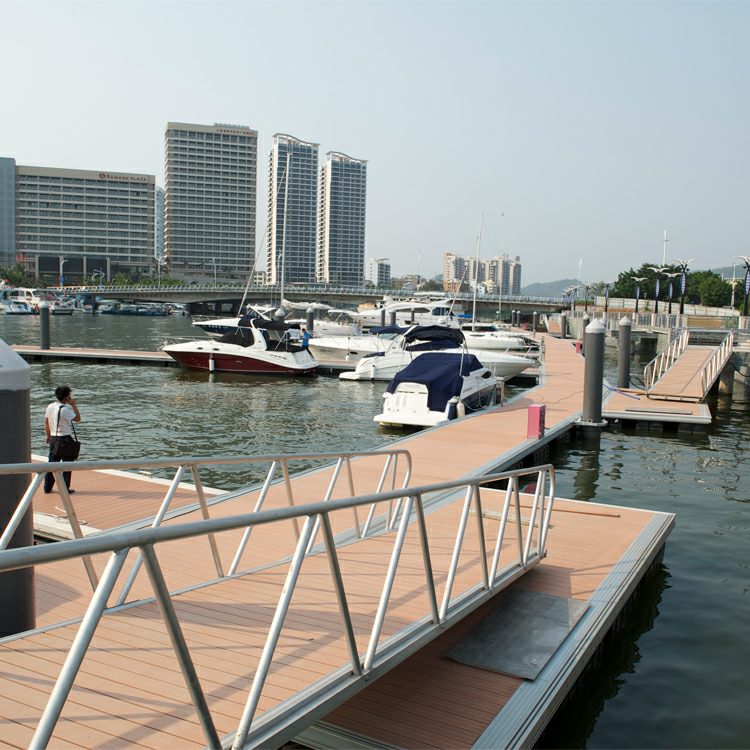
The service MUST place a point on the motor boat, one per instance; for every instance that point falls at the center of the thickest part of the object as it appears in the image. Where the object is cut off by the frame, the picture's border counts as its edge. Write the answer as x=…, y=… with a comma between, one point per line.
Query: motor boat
x=486, y=336
x=435, y=389
x=352, y=348
x=409, y=313
x=418, y=340
x=258, y=346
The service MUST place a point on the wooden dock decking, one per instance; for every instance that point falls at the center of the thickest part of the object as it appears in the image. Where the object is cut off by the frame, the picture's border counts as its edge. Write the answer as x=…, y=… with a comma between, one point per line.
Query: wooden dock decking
x=129, y=691
x=683, y=380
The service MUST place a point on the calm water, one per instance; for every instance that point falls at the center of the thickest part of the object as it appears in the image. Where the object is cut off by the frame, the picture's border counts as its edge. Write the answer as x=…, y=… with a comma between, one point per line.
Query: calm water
x=674, y=676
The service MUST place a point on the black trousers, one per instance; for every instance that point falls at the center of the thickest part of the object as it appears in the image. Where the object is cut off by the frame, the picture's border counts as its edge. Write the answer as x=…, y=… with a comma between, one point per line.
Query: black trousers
x=49, y=479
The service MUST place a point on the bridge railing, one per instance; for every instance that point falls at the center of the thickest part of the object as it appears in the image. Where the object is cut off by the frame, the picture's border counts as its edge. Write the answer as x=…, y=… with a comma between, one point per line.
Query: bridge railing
x=715, y=365
x=409, y=507
x=658, y=367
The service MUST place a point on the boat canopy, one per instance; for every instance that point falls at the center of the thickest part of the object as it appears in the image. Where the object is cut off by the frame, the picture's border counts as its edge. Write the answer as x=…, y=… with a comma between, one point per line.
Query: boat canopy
x=433, y=333
x=440, y=373
x=269, y=325
x=388, y=329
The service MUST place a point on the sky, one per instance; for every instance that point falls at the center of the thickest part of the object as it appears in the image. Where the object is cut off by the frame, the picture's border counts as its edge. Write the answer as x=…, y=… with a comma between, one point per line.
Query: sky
x=586, y=128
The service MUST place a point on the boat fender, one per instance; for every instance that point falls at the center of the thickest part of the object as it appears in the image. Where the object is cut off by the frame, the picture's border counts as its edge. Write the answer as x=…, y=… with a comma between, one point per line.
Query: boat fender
x=461, y=409
x=372, y=372
x=211, y=363
x=452, y=410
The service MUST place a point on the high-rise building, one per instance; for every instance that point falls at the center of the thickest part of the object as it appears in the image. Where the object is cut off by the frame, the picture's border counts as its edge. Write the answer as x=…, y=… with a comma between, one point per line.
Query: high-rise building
x=498, y=274
x=453, y=268
x=378, y=272
x=209, y=202
x=72, y=222
x=515, y=276
x=159, y=224
x=342, y=219
x=292, y=212
x=7, y=212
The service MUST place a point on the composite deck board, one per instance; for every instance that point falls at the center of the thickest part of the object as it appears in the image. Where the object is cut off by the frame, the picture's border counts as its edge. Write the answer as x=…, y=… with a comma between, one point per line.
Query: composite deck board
x=131, y=667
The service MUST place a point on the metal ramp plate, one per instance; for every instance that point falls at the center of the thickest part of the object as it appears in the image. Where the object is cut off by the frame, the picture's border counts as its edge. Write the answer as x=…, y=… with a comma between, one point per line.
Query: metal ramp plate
x=520, y=635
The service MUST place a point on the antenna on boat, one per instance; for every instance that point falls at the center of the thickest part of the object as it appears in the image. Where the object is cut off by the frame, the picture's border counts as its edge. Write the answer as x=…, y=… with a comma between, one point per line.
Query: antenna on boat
x=476, y=276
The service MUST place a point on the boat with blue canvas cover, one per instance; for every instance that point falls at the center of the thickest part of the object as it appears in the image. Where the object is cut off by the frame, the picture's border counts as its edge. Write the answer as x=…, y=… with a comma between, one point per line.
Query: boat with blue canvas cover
x=435, y=389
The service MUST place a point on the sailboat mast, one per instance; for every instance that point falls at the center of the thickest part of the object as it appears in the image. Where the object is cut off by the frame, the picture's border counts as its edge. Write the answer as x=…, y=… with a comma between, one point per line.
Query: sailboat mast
x=476, y=277
x=283, y=243
x=500, y=270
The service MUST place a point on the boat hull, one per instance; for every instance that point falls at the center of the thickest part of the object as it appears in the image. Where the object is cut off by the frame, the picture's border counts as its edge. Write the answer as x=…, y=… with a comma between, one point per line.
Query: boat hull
x=236, y=363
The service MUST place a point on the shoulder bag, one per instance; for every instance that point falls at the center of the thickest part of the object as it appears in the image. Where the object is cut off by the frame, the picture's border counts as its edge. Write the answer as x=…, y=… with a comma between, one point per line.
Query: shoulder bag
x=66, y=446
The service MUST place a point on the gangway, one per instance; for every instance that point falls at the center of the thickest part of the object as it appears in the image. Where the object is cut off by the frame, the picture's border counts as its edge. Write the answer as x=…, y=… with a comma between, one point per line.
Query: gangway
x=292, y=629
x=685, y=371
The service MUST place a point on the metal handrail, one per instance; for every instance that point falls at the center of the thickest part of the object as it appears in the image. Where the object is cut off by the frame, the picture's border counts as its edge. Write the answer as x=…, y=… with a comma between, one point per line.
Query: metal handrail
x=715, y=365
x=182, y=464
x=659, y=365
x=378, y=656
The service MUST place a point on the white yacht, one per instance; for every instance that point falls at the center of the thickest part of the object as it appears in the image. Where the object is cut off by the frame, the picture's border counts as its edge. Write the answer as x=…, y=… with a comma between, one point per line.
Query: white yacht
x=487, y=336
x=428, y=340
x=435, y=389
x=256, y=347
x=408, y=313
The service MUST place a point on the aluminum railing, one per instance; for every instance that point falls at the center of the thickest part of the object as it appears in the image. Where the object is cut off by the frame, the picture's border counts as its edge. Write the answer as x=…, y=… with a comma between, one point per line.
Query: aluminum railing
x=278, y=724
x=716, y=364
x=658, y=367
x=279, y=462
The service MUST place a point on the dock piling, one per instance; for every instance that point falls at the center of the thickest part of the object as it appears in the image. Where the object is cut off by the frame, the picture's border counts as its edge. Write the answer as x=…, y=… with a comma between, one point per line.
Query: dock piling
x=17, y=597
x=563, y=326
x=393, y=317
x=623, y=352
x=535, y=322
x=593, y=380
x=310, y=319
x=382, y=317
x=44, y=324
x=586, y=321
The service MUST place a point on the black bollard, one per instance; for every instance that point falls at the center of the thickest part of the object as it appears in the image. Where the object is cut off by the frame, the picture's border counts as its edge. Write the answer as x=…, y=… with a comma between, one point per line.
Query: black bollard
x=535, y=322
x=310, y=319
x=393, y=317
x=382, y=317
x=17, y=599
x=624, y=338
x=44, y=324
x=563, y=326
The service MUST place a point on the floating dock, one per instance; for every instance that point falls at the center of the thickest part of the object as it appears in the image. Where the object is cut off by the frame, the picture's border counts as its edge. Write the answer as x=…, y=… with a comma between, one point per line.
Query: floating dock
x=129, y=690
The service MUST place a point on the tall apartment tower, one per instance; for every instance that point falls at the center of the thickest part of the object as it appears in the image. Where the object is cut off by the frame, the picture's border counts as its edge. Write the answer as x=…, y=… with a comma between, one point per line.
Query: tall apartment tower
x=7, y=211
x=159, y=224
x=515, y=276
x=209, y=202
x=292, y=204
x=342, y=219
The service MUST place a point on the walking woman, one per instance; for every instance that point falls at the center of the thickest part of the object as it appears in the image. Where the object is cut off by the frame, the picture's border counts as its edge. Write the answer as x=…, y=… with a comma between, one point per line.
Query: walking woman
x=57, y=424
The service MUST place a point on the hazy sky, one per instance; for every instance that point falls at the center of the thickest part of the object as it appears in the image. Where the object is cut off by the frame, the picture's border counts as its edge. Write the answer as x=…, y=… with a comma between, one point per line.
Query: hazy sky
x=592, y=126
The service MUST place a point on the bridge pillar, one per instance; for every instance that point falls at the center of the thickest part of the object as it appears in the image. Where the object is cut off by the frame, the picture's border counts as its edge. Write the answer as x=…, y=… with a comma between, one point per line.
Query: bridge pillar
x=726, y=380
x=217, y=308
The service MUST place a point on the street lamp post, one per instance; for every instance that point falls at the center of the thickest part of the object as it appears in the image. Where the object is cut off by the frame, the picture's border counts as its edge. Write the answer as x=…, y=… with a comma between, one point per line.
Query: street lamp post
x=658, y=272
x=606, y=297
x=683, y=264
x=671, y=276
x=586, y=298
x=638, y=280
x=746, y=260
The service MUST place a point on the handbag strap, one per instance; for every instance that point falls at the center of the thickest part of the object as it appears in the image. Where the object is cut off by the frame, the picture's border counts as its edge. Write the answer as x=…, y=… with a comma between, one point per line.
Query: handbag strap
x=57, y=426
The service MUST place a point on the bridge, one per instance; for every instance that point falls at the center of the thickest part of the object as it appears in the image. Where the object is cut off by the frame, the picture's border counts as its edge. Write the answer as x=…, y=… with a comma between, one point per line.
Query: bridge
x=204, y=298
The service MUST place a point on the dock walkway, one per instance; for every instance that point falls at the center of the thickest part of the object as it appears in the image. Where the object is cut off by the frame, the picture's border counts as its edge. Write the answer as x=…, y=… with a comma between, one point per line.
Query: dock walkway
x=129, y=691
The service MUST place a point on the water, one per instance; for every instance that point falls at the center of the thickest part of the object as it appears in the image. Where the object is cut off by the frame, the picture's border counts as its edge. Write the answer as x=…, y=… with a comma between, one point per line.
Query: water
x=673, y=676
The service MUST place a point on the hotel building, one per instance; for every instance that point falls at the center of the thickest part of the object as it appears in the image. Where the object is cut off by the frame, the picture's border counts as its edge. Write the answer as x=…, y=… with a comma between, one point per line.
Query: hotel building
x=378, y=272
x=209, y=201
x=73, y=222
x=159, y=224
x=342, y=219
x=292, y=212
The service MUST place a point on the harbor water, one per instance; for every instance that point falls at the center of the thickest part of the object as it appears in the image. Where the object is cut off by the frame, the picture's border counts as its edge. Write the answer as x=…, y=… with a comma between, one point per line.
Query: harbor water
x=675, y=672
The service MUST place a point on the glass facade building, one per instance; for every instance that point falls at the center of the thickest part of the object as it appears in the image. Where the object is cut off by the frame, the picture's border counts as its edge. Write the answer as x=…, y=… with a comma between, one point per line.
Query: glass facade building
x=342, y=220
x=72, y=222
x=210, y=198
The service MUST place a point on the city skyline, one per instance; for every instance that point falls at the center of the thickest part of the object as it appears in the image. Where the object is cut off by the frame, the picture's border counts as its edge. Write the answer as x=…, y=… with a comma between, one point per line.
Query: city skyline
x=592, y=127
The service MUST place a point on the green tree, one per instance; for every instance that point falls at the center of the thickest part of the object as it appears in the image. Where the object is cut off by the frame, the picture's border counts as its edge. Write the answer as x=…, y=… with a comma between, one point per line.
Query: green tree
x=431, y=286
